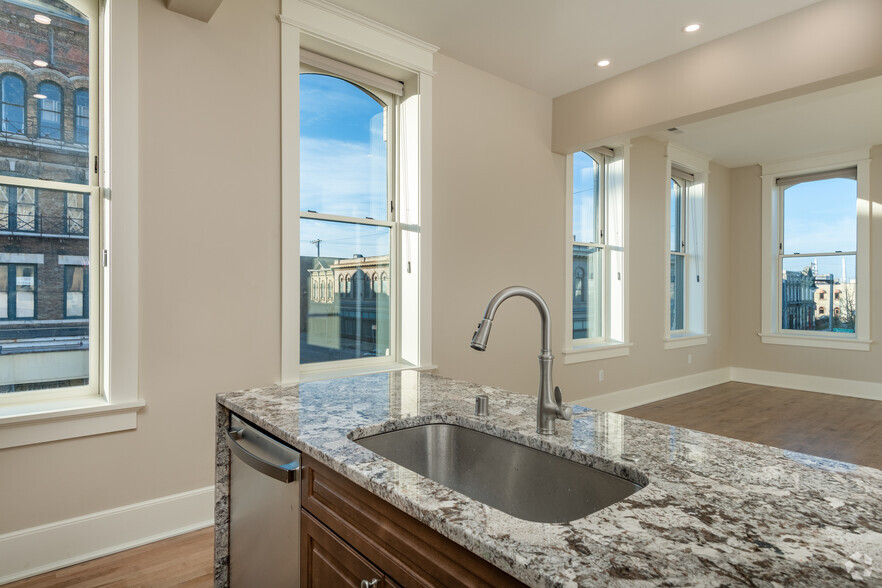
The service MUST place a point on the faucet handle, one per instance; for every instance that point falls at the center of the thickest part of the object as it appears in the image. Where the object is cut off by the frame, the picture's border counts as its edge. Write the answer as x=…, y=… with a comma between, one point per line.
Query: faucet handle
x=563, y=412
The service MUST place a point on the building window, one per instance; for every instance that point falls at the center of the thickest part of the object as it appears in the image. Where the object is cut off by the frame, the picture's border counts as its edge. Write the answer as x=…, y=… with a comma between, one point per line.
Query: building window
x=18, y=208
x=50, y=109
x=18, y=286
x=346, y=220
x=12, y=104
x=47, y=188
x=596, y=259
x=685, y=246
x=75, y=213
x=818, y=221
x=76, y=298
x=81, y=116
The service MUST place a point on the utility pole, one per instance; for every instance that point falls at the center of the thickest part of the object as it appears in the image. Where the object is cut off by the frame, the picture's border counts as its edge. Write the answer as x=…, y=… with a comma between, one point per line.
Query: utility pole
x=318, y=247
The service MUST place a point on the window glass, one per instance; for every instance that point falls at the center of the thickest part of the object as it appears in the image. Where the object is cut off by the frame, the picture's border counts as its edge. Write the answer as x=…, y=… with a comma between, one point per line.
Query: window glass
x=820, y=216
x=678, y=294
x=44, y=232
x=586, y=199
x=343, y=159
x=25, y=285
x=74, y=288
x=344, y=164
x=588, y=307
x=676, y=215
x=12, y=104
x=819, y=256
x=75, y=217
x=41, y=64
x=356, y=322
x=81, y=117
x=4, y=291
x=49, y=104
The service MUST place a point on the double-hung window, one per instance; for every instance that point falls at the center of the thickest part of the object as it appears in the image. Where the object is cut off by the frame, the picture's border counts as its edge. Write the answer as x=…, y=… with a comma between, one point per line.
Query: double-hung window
x=347, y=218
x=45, y=336
x=596, y=322
x=356, y=195
x=816, y=267
x=685, y=259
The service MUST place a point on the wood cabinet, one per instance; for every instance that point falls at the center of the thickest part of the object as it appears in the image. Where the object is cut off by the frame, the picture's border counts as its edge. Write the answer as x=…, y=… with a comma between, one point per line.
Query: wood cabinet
x=349, y=535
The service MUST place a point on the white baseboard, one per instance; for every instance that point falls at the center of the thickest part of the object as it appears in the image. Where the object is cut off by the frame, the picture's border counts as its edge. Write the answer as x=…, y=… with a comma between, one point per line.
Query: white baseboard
x=625, y=399
x=853, y=388
x=56, y=545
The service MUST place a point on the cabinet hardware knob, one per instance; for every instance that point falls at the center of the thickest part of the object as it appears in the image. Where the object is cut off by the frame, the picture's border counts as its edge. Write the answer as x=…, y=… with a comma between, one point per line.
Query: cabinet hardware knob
x=372, y=584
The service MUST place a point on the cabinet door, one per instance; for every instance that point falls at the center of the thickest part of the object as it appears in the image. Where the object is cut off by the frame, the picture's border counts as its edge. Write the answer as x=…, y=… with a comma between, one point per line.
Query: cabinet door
x=327, y=561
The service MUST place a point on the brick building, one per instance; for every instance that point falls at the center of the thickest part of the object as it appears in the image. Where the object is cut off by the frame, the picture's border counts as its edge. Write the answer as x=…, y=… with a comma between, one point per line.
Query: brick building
x=44, y=230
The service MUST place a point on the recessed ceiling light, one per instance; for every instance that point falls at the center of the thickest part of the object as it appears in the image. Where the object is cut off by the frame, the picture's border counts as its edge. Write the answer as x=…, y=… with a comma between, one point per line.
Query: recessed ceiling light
x=42, y=19
x=691, y=28
x=40, y=96
x=40, y=63
x=603, y=63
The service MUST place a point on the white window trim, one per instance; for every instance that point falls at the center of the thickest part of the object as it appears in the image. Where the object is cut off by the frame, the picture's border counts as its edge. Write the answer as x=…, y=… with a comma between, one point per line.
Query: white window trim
x=771, y=331
x=115, y=408
x=337, y=33
x=695, y=303
x=578, y=351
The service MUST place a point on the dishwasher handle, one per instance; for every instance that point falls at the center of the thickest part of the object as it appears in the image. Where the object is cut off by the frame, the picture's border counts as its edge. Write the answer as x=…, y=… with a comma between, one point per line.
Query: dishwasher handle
x=286, y=472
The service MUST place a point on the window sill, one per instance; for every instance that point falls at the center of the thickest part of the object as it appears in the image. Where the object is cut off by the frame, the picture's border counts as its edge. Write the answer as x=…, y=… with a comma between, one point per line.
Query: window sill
x=821, y=342
x=28, y=424
x=688, y=340
x=330, y=374
x=595, y=352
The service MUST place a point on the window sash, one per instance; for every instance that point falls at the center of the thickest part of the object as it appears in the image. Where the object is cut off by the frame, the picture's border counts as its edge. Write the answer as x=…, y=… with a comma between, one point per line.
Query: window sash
x=781, y=184
x=392, y=283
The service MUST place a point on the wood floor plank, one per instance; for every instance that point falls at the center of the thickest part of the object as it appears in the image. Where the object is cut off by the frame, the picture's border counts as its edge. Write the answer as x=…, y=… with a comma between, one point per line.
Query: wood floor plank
x=835, y=427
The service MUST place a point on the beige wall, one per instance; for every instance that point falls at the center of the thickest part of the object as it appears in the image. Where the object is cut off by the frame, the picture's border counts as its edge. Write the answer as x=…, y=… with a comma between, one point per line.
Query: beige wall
x=499, y=208
x=746, y=273
x=210, y=233
x=820, y=46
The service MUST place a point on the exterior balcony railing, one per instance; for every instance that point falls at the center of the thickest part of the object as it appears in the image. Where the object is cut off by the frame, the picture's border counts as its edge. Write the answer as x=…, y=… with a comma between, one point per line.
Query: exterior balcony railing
x=42, y=225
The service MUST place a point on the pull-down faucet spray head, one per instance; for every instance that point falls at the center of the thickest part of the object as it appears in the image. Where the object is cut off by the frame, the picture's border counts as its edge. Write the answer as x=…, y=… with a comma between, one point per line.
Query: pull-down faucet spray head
x=482, y=333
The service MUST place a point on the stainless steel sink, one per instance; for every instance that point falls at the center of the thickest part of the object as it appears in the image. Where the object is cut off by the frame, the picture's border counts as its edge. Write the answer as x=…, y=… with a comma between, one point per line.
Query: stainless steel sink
x=518, y=480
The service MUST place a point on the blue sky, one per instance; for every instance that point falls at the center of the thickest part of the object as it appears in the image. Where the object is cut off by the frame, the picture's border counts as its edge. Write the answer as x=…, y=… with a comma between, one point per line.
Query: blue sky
x=342, y=167
x=819, y=217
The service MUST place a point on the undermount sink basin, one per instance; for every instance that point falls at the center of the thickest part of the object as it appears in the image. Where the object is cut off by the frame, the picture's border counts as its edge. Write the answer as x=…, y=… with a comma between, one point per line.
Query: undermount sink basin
x=516, y=479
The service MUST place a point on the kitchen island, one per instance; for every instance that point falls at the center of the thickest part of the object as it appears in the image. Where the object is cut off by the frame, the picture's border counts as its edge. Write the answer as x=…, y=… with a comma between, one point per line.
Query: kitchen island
x=714, y=511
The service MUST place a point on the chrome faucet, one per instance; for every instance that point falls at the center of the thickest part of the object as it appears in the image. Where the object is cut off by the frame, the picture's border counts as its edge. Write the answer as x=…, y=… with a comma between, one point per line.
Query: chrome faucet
x=549, y=407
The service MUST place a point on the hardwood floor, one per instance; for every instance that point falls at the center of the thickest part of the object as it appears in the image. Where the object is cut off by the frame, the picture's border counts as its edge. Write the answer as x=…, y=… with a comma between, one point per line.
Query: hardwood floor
x=847, y=429
x=837, y=427
x=185, y=560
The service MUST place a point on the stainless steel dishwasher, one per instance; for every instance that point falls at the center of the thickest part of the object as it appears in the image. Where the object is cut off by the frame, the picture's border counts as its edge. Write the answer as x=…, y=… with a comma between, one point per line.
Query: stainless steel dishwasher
x=264, y=508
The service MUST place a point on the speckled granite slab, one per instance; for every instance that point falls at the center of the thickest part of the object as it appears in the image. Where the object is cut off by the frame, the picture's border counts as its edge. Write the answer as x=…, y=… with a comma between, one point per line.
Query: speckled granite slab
x=715, y=511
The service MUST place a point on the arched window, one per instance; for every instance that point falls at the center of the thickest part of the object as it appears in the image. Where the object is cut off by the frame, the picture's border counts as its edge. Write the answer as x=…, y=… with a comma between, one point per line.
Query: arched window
x=81, y=116
x=323, y=291
x=374, y=284
x=49, y=109
x=12, y=104
x=348, y=285
x=314, y=291
x=578, y=284
x=340, y=287
x=384, y=283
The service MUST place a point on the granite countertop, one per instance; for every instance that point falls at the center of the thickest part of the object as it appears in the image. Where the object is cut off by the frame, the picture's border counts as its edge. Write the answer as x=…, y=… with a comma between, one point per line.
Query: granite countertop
x=716, y=511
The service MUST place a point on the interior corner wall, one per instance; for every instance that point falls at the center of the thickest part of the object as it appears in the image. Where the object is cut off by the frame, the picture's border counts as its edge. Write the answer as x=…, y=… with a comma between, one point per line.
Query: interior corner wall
x=209, y=256
x=745, y=268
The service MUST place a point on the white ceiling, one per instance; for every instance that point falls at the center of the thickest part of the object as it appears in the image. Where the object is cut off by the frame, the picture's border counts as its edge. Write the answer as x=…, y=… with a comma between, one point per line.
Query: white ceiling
x=552, y=46
x=838, y=119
